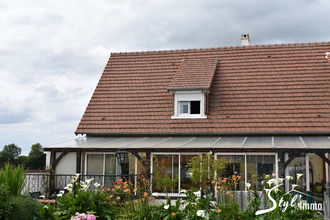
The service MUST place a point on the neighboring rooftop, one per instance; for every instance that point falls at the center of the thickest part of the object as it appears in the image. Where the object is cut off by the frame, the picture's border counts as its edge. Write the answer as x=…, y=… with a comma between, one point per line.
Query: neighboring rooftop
x=273, y=89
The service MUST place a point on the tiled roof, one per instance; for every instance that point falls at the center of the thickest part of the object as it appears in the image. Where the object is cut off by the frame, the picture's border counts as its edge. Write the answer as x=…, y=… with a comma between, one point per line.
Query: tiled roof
x=194, y=74
x=279, y=89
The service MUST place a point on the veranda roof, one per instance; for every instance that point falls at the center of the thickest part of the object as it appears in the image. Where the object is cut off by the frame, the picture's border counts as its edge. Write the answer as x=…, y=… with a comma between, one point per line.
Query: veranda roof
x=193, y=143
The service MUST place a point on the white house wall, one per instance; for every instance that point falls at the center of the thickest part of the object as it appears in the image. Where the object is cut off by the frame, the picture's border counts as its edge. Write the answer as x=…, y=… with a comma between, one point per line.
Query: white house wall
x=67, y=165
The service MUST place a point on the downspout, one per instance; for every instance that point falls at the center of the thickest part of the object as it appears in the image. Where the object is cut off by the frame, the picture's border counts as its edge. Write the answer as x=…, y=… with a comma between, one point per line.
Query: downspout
x=207, y=101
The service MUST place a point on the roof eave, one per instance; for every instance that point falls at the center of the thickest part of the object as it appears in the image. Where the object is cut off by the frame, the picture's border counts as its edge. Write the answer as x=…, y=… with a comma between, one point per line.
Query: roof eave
x=203, y=133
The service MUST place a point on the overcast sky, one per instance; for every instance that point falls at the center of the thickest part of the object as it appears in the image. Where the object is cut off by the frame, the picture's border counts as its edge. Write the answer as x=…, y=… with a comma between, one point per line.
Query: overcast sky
x=52, y=53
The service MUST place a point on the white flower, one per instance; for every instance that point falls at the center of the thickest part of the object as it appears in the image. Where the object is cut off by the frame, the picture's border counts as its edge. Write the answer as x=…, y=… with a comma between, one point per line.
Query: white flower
x=61, y=192
x=85, y=187
x=88, y=182
x=59, y=195
x=183, y=191
x=248, y=185
x=74, y=179
x=97, y=185
x=69, y=185
x=166, y=207
x=42, y=196
x=155, y=194
x=266, y=190
x=299, y=175
x=201, y=213
x=280, y=180
x=294, y=186
x=267, y=176
x=271, y=181
x=288, y=178
x=198, y=193
x=45, y=207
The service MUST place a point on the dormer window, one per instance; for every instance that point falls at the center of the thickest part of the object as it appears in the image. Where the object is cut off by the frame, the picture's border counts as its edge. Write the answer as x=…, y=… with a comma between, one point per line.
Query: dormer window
x=191, y=85
x=189, y=104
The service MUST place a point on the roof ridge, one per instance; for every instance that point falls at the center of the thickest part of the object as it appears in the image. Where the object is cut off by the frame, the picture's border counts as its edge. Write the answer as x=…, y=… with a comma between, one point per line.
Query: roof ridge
x=223, y=48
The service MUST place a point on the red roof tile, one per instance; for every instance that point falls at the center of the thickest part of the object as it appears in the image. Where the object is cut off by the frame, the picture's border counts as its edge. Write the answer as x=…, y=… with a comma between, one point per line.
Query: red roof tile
x=254, y=89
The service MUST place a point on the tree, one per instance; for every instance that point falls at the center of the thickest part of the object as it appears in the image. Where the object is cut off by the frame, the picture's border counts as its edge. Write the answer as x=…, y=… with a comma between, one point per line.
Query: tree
x=36, y=158
x=10, y=154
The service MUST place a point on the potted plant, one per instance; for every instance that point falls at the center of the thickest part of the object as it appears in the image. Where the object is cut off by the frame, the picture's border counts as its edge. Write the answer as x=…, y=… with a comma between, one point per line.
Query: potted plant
x=319, y=186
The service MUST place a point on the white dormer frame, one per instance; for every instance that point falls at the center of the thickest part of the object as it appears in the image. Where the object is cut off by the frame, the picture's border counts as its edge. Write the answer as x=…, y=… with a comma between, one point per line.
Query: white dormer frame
x=193, y=95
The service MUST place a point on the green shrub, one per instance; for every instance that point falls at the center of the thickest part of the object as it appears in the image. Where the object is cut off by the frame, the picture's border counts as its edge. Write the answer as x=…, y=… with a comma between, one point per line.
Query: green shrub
x=25, y=208
x=5, y=205
x=14, y=178
x=82, y=199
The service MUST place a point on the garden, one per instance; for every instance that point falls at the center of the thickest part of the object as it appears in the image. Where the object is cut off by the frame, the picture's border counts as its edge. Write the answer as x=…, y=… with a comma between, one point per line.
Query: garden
x=211, y=196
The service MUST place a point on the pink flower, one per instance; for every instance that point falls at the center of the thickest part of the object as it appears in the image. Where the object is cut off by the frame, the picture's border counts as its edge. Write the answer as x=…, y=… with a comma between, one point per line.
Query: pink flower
x=91, y=217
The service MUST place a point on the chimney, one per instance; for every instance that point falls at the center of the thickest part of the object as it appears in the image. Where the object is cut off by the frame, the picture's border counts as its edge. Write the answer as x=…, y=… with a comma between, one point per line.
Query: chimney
x=245, y=39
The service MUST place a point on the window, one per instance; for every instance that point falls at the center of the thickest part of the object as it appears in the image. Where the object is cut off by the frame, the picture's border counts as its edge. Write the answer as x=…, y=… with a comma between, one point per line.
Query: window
x=252, y=168
x=190, y=107
x=174, y=165
x=189, y=104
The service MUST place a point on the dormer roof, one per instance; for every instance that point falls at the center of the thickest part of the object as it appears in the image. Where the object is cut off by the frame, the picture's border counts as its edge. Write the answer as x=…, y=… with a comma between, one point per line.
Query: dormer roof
x=194, y=74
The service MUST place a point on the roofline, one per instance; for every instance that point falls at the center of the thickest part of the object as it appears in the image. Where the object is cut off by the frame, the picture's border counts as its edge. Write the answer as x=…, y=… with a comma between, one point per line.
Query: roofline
x=206, y=134
x=222, y=48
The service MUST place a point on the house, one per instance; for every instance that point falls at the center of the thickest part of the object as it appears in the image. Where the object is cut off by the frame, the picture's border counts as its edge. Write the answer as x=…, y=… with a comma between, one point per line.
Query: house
x=265, y=108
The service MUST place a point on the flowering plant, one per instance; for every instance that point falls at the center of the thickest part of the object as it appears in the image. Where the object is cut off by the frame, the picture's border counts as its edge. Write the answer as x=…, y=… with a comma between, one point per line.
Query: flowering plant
x=120, y=192
x=81, y=199
x=83, y=216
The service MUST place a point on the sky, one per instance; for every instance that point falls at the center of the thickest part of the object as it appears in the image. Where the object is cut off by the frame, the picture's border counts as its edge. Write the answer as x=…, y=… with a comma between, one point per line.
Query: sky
x=52, y=53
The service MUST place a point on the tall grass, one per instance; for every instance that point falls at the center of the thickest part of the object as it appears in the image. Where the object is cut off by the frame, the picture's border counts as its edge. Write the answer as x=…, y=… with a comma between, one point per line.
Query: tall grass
x=14, y=178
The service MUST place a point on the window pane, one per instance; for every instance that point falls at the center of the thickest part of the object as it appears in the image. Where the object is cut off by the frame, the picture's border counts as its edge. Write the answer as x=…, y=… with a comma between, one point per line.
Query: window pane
x=235, y=166
x=165, y=165
x=183, y=107
x=185, y=178
x=258, y=166
x=95, y=164
x=195, y=107
x=110, y=164
x=298, y=165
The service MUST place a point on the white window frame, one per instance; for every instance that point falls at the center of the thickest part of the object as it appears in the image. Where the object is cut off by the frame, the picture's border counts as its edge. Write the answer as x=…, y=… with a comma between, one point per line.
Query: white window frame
x=245, y=162
x=195, y=95
x=103, y=153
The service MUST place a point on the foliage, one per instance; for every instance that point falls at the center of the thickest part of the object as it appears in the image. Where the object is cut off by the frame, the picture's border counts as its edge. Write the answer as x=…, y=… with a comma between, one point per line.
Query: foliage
x=36, y=158
x=46, y=212
x=10, y=154
x=14, y=178
x=278, y=194
x=204, y=169
x=5, y=205
x=160, y=179
x=80, y=198
x=24, y=207
x=139, y=208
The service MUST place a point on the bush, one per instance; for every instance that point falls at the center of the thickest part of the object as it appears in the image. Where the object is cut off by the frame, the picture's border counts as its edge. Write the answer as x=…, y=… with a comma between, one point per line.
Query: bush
x=25, y=208
x=5, y=205
x=80, y=198
x=14, y=178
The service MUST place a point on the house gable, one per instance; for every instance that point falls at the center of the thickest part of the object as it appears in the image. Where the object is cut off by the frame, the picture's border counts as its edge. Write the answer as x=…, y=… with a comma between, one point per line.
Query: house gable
x=270, y=89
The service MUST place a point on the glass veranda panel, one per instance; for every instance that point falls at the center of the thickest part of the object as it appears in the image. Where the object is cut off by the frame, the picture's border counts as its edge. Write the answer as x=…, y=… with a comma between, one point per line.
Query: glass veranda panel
x=235, y=167
x=258, y=166
x=165, y=165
